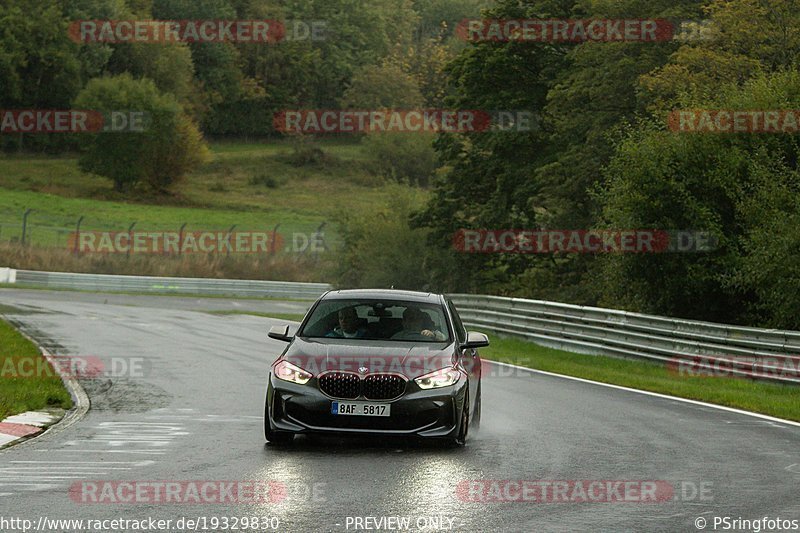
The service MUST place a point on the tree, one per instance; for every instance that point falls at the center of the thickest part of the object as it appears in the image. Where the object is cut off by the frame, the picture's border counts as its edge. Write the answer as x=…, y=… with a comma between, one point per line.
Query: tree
x=743, y=188
x=168, y=148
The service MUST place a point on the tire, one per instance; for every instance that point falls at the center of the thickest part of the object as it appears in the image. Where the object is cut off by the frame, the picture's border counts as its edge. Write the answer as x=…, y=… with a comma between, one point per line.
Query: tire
x=276, y=438
x=461, y=439
x=476, y=416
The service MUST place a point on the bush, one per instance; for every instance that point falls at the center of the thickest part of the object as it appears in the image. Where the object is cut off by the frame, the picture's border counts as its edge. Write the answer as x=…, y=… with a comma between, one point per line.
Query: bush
x=307, y=154
x=379, y=248
x=168, y=148
x=266, y=180
x=403, y=157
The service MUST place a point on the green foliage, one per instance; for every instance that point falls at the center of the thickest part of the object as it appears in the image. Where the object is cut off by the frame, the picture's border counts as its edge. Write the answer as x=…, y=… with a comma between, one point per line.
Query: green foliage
x=379, y=249
x=382, y=86
x=743, y=188
x=406, y=157
x=169, y=147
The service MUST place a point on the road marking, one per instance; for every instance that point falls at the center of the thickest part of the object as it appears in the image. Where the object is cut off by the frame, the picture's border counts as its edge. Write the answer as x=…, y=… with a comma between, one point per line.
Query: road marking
x=655, y=394
x=139, y=463
x=135, y=452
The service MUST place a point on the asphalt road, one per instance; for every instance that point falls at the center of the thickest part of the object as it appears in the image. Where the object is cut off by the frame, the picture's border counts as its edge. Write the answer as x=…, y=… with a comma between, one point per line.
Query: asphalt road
x=192, y=411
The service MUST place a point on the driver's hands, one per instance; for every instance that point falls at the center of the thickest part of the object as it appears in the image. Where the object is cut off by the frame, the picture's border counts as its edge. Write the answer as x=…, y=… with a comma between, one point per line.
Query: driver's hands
x=435, y=334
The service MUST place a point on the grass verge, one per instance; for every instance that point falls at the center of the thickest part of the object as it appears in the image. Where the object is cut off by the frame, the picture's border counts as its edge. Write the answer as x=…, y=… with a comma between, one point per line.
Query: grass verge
x=18, y=394
x=782, y=401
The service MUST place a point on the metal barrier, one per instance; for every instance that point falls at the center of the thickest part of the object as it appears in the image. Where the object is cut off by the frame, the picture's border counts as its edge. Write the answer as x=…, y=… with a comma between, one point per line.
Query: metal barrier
x=688, y=345
x=152, y=284
x=706, y=346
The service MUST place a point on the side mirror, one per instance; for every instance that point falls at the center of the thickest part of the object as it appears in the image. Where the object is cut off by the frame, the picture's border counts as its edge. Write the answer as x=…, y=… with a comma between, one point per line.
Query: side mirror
x=475, y=340
x=280, y=333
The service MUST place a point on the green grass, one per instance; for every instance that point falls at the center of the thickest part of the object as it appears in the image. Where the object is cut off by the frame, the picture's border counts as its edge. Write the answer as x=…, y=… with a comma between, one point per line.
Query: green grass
x=777, y=400
x=292, y=317
x=20, y=394
x=230, y=189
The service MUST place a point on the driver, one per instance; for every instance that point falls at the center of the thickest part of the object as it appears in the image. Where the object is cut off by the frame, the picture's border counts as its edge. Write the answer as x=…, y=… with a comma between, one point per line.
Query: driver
x=348, y=325
x=414, y=327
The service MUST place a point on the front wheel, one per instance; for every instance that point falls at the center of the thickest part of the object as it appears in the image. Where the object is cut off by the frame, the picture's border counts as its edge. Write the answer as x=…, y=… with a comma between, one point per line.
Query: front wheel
x=461, y=439
x=476, y=416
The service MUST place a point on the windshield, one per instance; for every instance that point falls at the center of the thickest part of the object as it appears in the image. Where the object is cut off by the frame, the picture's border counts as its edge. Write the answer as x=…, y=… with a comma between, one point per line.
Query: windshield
x=392, y=320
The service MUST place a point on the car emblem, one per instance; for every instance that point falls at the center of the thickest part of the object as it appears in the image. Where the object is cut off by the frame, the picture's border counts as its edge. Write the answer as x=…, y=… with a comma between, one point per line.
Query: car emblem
x=362, y=369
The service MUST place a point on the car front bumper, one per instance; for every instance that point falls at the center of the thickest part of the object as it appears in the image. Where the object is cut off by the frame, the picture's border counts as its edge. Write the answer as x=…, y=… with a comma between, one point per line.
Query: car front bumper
x=434, y=413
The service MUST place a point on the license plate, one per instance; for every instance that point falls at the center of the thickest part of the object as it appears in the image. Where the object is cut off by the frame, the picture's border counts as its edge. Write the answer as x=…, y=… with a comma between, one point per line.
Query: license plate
x=360, y=408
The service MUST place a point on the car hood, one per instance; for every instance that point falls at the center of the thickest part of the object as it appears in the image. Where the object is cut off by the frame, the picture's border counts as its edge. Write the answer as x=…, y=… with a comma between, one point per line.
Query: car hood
x=369, y=357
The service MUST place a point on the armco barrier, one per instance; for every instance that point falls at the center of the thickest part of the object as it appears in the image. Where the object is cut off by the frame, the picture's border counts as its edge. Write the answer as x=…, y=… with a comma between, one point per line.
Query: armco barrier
x=747, y=352
x=150, y=284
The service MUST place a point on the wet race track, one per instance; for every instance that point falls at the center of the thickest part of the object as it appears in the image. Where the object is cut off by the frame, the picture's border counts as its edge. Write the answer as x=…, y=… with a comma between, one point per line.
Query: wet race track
x=186, y=406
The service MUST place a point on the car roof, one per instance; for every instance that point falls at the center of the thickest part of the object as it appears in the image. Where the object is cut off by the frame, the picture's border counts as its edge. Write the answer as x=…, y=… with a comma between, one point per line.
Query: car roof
x=379, y=294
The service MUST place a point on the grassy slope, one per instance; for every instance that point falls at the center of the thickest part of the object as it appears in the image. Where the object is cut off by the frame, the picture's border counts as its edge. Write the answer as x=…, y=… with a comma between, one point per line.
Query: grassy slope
x=20, y=394
x=219, y=194
x=770, y=399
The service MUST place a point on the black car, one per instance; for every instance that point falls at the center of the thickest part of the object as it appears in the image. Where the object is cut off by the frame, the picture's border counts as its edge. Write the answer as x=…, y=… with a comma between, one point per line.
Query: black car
x=378, y=362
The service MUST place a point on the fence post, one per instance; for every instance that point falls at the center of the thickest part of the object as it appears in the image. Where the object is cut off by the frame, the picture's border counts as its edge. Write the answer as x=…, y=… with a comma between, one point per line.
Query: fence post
x=130, y=239
x=180, y=238
x=78, y=236
x=25, y=225
x=318, y=233
x=228, y=251
x=274, y=236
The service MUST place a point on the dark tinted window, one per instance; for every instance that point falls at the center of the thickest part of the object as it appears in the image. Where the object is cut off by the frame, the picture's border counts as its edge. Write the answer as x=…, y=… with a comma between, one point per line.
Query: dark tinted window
x=377, y=319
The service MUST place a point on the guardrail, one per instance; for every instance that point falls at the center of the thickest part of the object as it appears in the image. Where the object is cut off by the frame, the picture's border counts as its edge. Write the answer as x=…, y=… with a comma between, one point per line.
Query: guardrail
x=708, y=347
x=765, y=354
x=153, y=284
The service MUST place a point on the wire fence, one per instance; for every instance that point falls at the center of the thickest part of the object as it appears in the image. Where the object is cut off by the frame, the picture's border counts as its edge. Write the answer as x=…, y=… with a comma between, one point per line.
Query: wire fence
x=79, y=233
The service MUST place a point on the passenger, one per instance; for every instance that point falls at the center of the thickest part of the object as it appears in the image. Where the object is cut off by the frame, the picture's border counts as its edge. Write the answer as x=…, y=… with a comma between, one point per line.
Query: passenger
x=348, y=325
x=414, y=327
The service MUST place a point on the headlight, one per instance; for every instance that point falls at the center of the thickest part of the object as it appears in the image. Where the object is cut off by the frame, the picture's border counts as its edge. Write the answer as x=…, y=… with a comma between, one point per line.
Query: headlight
x=438, y=378
x=289, y=372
